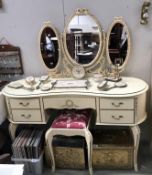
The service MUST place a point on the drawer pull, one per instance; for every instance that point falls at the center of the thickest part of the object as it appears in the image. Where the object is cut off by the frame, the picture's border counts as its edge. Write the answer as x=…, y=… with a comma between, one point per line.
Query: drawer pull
x=117, y=117
x=117, y=105
x=24, y=104
x=26, y=116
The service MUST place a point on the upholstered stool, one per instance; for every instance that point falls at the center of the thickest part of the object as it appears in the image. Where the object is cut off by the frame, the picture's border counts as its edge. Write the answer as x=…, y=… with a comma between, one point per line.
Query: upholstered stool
x=71, y=123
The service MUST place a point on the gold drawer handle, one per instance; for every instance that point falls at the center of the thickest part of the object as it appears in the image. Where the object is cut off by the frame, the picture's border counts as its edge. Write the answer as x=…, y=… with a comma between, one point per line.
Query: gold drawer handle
x=117, y=105
x=24, y=104
x=117, y=117
x=26, y=116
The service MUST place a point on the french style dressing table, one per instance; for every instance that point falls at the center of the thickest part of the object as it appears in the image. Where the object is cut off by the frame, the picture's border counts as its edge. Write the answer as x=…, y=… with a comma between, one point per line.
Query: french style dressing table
x=119, y=101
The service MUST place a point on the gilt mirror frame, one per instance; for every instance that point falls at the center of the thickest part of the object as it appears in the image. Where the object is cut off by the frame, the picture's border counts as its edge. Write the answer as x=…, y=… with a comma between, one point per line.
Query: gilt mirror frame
x=121, y=21
x=90, y=66
x=51, y=71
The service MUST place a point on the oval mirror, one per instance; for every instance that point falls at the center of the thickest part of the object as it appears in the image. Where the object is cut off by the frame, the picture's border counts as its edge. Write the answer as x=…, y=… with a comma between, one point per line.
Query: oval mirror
x=49, y=46
x=118, y=43
x=83, y=39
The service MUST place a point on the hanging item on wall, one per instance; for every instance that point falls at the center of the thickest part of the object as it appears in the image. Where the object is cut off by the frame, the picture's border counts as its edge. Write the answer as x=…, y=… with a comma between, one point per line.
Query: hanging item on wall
x=0, y=3
x=10, y=61
x=144, y=12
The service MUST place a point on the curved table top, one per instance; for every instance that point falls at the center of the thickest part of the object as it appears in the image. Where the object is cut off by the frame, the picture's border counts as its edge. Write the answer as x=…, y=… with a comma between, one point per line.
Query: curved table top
x=134, y=87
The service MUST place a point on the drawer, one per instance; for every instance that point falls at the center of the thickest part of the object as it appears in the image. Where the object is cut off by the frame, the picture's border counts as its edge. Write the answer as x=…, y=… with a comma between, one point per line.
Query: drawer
x=68, y=157
x=25, y=103
x=111, y=150
x=117, y=116
x=26, y=115
x=69, y=102
x=124, y=103
x=112, y=157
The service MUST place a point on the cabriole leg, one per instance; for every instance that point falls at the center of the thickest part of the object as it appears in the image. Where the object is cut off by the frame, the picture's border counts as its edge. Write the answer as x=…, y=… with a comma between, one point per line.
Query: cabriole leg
x=12, y=130
x=136, y=137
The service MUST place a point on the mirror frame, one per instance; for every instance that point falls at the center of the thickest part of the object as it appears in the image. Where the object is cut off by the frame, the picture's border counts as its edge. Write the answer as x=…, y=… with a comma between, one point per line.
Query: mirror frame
x=54, y=70
x=99, y=55
x=121, y=21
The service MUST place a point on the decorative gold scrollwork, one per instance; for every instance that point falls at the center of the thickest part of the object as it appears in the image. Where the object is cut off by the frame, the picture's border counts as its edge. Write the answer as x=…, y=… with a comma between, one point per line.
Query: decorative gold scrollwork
x=69, y=104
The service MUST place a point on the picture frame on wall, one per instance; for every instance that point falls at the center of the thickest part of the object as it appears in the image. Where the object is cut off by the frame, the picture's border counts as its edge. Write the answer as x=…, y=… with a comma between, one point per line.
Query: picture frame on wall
x=10, y=61
x=0, y=3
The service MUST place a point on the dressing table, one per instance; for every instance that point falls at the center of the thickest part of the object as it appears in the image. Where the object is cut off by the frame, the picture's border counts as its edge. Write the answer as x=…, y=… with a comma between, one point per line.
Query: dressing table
x=118, y=106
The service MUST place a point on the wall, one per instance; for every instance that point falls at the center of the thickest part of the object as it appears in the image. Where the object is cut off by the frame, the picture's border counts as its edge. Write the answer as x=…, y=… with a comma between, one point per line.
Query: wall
x=21, y=20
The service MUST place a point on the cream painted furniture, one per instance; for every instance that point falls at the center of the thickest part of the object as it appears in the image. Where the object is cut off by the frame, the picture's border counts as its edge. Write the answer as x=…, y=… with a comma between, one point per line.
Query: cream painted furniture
x=84, y=132
x=118, y=106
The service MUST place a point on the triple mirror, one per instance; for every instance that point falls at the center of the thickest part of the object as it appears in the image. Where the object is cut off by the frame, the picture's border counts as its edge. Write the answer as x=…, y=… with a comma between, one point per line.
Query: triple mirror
x=84, y=43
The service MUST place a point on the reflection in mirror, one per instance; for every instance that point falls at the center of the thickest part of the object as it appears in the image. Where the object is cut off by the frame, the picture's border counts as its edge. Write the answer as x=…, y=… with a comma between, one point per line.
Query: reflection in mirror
x=118, y=44
x=83, y=38
x=49, y=47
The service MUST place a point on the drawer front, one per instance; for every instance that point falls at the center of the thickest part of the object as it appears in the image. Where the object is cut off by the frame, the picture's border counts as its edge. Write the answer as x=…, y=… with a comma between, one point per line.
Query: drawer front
x=112, y=158
x=69, y=102
x=25, y=103
x=26, y=115
x=116, y=103
x=117, y=116
x=68, y=157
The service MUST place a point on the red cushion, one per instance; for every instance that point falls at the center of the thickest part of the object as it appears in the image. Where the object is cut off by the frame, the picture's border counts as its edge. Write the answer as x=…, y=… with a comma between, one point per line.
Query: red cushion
x=71, y=120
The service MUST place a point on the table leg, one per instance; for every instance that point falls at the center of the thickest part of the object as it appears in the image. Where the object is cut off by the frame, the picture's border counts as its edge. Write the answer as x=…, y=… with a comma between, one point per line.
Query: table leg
x=12, y=130
x=136, y=137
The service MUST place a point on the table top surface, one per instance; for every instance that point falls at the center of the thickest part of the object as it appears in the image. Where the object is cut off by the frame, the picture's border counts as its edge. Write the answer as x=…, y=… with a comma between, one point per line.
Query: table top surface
x=134, y=87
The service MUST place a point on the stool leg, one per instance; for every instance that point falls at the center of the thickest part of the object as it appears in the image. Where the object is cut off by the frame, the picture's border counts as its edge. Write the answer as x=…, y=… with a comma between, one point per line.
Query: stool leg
x=48, y=139
x=89, y=141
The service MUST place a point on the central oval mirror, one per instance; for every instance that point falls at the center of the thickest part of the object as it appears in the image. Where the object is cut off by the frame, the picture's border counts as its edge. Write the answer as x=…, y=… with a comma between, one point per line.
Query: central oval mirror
x=118, y=43
x=83, y=39
x=49, y=46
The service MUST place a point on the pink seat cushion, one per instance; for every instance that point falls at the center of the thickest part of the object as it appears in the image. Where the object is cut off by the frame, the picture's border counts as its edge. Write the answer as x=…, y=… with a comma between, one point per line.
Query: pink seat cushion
x=73, y=120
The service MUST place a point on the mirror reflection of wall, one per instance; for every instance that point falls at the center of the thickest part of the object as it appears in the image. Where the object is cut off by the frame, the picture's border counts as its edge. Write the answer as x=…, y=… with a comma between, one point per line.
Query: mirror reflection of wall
x=82, y=39
x=49, y=47
x=118, y=44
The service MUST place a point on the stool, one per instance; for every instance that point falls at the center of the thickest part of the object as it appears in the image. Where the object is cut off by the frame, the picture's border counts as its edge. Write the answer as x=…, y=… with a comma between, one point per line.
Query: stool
x=71, y=123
